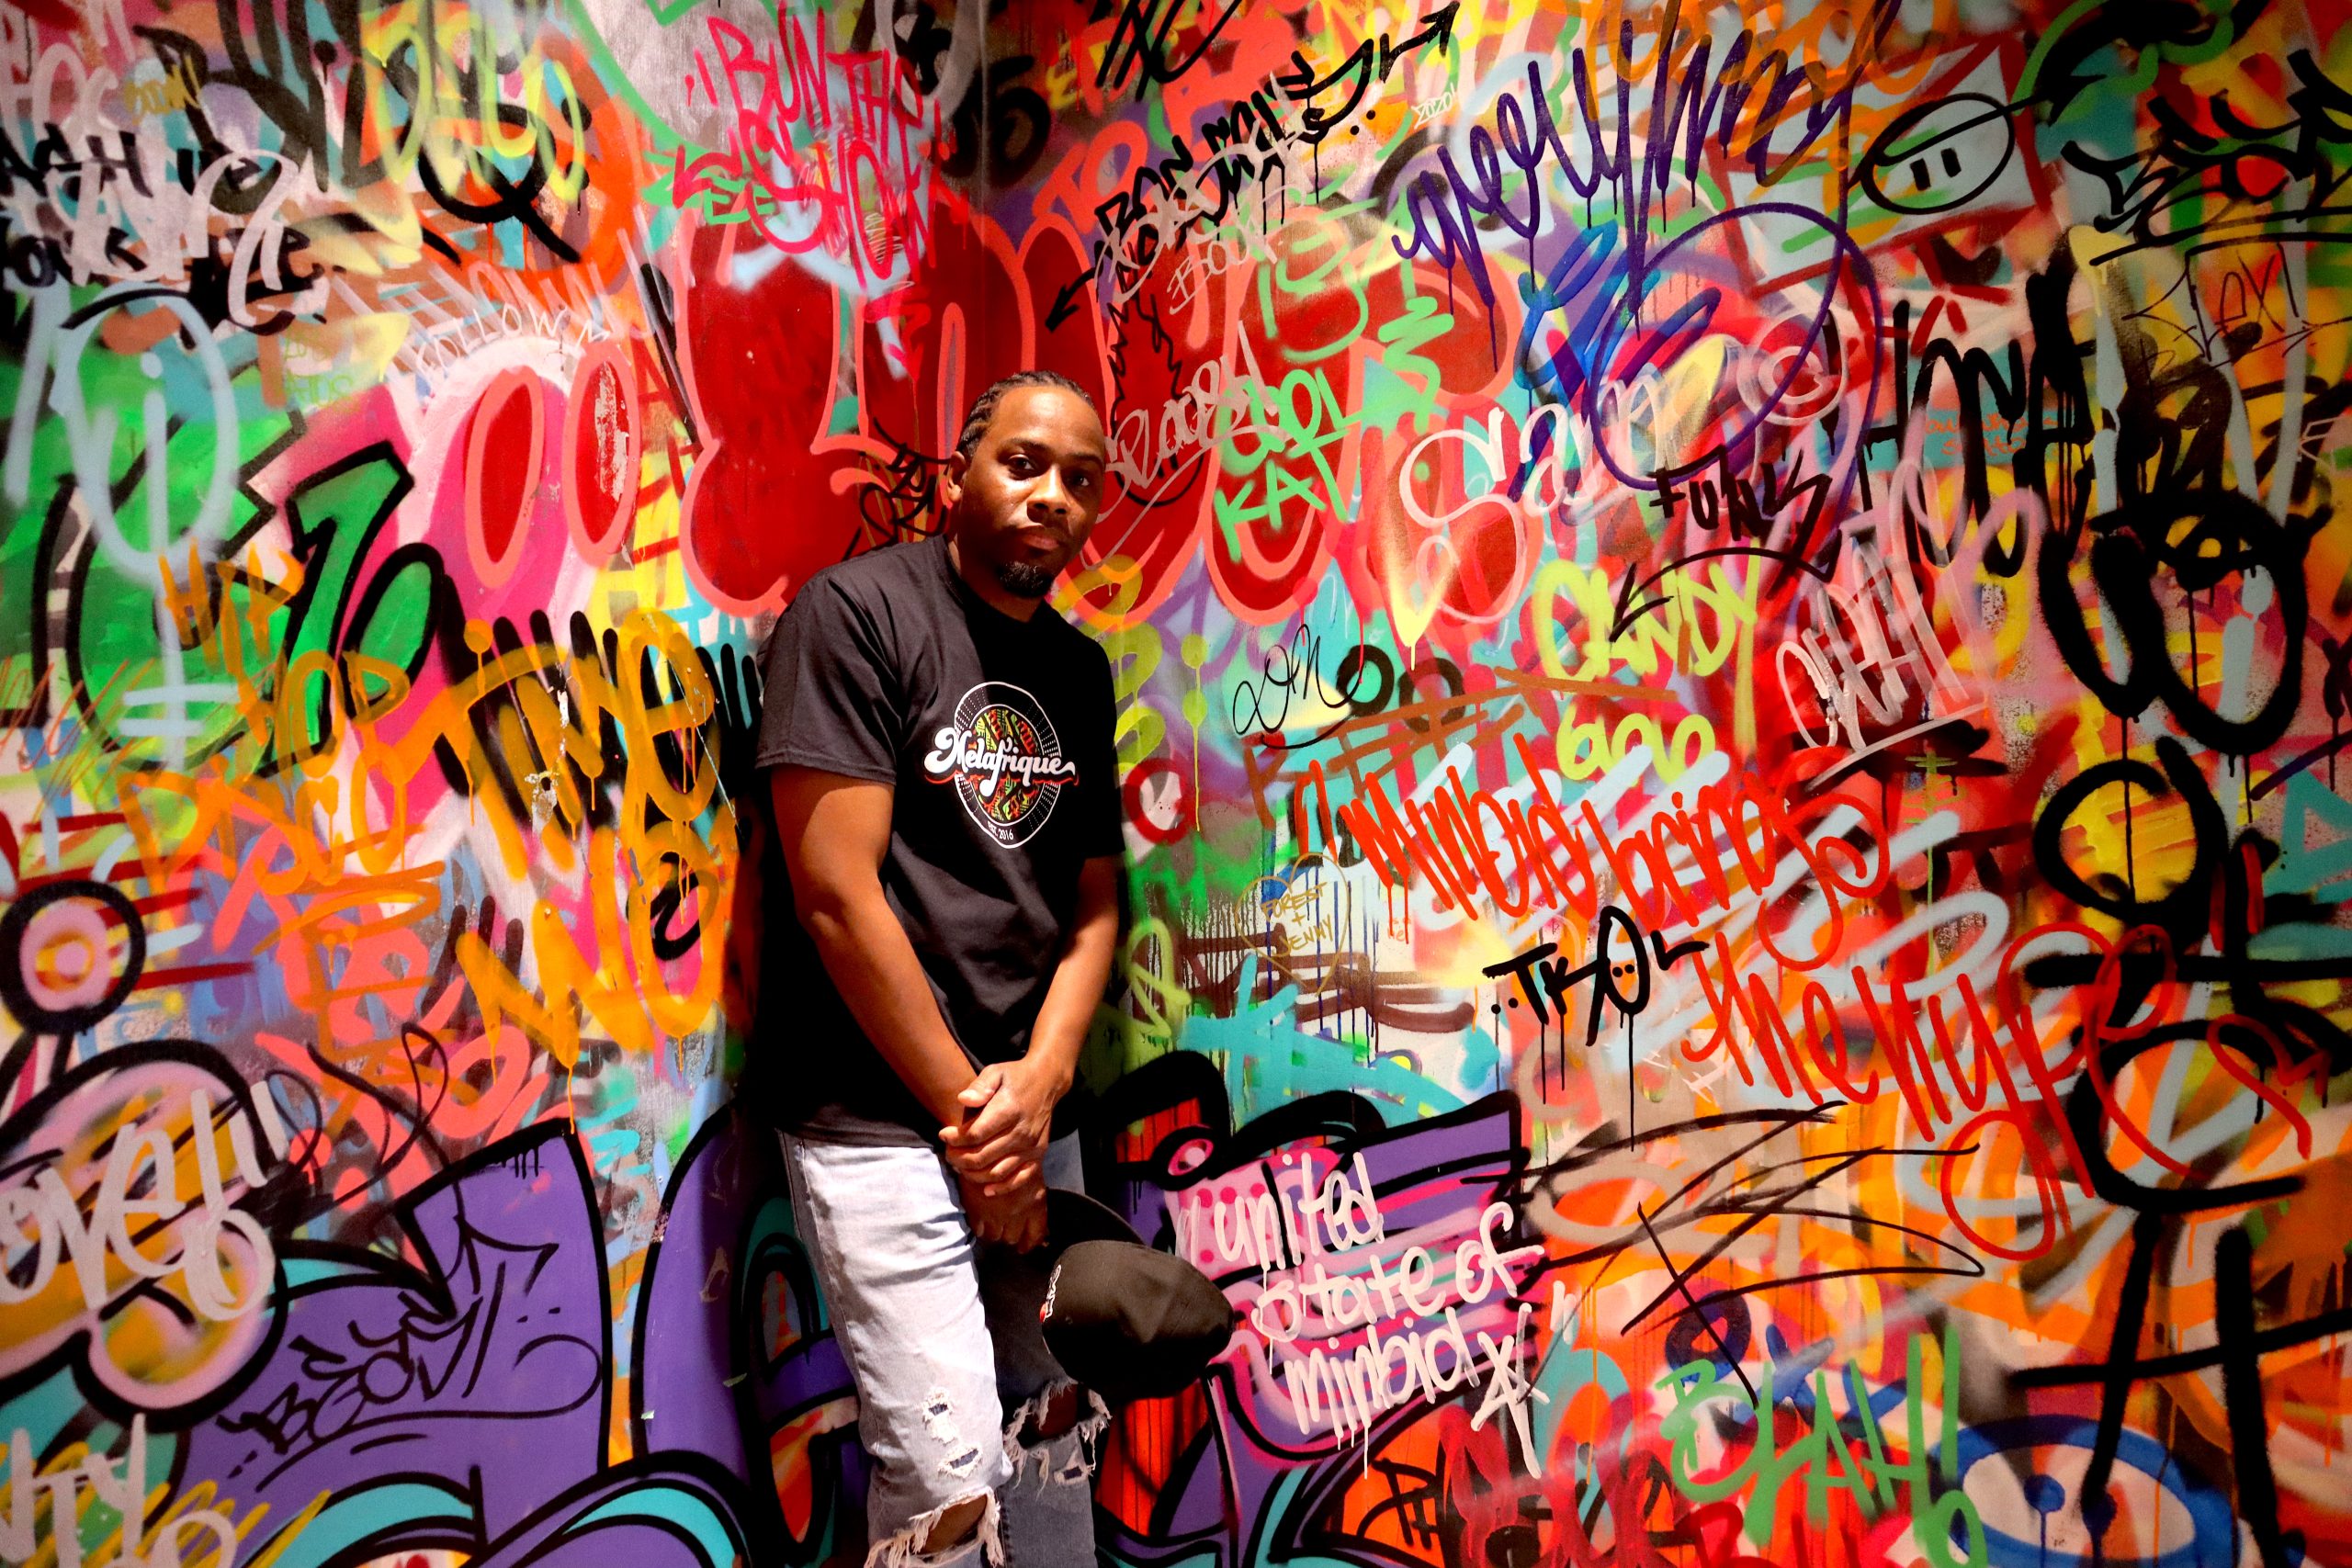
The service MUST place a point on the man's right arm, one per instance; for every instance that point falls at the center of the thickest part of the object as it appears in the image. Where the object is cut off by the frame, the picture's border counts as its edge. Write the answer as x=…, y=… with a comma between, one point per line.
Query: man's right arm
x=834, y=831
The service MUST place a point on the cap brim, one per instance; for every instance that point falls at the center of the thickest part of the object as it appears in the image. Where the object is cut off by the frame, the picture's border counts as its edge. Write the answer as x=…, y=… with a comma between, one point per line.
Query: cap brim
x=1013, y=1284
x=1131, y=1323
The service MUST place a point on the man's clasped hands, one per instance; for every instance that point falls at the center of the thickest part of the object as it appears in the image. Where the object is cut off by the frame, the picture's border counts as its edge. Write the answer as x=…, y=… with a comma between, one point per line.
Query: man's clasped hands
x=1008, y=1120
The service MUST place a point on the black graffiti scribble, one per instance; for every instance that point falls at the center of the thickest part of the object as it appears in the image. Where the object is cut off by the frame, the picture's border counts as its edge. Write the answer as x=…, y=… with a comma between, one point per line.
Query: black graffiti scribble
x=898, y=500
x=1139, y=43
x=1704, y=1196
x=2037, y=383
x=2224, y=874
x=1412, y=1499
x=1621, y=981
x=1775, y=1202
x=556, y=730
x=2216, y=900
x=2186, y=181
x=1626, y=612
x=2188, y=544
x=1363, y=680
x=2335, y=697
x=1167, y=198
x=2240, y=1342
x=1019, y=118
x=1720, y=499
x=295, y=81
x=1698, y=1313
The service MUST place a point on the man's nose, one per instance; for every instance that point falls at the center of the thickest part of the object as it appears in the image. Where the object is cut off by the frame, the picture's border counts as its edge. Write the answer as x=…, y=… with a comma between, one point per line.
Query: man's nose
x=1051, y=494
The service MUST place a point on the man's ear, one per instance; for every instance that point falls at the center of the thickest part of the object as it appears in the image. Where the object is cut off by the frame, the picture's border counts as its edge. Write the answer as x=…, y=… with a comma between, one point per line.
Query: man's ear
x=951, y=483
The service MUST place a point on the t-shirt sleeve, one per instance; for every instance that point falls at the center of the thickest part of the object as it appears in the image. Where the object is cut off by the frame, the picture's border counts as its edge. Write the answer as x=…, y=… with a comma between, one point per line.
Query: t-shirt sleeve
x=1105, y=814
x=833, y=698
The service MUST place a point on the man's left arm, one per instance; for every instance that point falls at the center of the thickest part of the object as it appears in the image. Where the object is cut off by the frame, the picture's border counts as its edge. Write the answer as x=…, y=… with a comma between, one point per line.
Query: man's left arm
x=1009, y=1113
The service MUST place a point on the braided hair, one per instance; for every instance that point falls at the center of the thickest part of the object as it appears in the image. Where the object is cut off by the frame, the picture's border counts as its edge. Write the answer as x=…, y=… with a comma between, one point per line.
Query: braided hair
x=976, y=423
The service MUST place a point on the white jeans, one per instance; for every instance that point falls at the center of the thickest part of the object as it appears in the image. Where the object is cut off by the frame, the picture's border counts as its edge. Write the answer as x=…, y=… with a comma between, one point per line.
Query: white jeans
x=946, y=1389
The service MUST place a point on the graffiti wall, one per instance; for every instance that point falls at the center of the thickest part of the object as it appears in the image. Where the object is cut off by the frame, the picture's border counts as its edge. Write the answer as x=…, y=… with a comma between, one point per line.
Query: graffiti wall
x=1732, y=646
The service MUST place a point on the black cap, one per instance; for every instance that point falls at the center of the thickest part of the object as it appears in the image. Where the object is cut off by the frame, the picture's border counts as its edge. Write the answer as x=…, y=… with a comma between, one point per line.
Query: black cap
x=1125, y=1321
x=1130, y=1322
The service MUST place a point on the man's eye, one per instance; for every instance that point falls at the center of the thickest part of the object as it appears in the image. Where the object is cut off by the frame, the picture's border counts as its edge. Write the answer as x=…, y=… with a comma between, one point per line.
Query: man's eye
x=1022, y=466
x=1083, y=481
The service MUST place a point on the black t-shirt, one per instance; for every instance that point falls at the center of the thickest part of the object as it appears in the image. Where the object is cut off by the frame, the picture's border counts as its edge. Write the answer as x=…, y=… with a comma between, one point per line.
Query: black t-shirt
x=996, y=735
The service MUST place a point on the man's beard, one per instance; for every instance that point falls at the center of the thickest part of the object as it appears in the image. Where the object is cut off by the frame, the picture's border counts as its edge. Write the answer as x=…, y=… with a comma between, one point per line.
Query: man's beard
x=1024, y=579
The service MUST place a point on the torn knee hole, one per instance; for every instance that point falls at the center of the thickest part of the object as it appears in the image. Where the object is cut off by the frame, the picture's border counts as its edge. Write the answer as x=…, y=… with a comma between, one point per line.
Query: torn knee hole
x=913, y=1546
x=1060, y=1409
x=1062, y=1456
x=1051, y=1419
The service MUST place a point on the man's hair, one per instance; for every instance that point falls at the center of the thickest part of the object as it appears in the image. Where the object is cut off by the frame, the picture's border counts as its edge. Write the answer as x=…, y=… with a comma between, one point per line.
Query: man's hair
x=976, y=423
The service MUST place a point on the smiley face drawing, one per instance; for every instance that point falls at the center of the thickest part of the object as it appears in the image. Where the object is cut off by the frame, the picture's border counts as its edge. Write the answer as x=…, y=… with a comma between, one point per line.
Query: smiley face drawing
x=1940, y=156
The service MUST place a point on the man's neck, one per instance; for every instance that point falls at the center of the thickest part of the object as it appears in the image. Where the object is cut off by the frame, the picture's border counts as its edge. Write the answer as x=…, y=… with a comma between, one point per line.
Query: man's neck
x=982, y=582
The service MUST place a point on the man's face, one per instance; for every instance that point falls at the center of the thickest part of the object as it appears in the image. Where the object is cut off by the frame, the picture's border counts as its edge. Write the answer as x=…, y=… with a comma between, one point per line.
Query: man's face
x=1030, y=492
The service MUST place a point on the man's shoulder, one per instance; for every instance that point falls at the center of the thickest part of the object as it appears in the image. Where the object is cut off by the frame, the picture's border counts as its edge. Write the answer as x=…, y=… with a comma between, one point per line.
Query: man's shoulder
x=871, y=577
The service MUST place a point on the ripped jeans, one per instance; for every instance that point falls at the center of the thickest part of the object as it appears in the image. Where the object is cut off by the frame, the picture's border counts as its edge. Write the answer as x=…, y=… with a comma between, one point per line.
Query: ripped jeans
x=946, y=1389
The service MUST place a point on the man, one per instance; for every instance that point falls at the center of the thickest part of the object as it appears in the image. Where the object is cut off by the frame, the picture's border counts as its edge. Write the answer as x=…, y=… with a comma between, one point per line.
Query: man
x=948, y=821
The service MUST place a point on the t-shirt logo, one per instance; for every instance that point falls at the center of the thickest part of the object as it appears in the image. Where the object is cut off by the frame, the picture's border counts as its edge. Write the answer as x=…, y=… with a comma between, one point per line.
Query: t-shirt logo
x=1004, y=760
